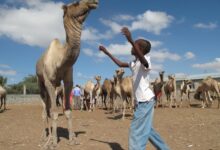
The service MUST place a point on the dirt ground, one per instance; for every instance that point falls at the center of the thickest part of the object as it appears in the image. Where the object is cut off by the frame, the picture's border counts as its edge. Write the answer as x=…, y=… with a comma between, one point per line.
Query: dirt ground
x=182, y=128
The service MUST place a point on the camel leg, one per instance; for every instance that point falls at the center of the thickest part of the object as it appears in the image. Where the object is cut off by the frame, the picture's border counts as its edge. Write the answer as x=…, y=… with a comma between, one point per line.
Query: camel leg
x=81, y=103
x=4, y=102
x=218, y=100
x=181, y=100
x=218, y=94
x=45, y=114
x=189, y=100
x=54, y=114
x=204, y=102
x=72, y=135
x=54, y=117
x=91, y=101
x=68, y=83
x=124, y=107
x=210, y=100
x=85, y=103
x=171, y=101
x=1, y=102
x=104, y=101
x=114, y=106
x=44, y=117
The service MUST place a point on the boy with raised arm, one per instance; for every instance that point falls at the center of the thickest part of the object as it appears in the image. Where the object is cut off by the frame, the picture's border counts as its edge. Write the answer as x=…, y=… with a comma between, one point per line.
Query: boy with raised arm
x=141, y=129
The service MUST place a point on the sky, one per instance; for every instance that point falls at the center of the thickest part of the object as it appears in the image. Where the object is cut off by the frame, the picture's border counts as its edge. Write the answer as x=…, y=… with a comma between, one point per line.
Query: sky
x=185, y=36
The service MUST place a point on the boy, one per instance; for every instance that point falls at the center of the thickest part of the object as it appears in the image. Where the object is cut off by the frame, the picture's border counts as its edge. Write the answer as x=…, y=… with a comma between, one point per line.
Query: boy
x=141, y=126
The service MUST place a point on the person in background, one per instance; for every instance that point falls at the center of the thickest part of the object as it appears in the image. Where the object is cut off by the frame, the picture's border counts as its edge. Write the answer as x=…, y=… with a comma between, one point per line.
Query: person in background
x=77, y=98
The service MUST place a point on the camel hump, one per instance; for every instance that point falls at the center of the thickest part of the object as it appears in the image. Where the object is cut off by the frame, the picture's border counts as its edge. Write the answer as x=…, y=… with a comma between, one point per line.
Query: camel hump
x=55, y=44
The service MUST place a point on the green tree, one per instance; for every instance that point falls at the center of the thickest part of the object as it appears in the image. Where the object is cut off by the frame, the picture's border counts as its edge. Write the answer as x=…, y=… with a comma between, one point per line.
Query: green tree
x=31, y=86
x=3, y=80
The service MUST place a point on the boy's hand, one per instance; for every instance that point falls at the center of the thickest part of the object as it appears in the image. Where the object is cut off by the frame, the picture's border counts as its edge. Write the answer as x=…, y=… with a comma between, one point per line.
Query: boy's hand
x=102, y=48
x=127, y=33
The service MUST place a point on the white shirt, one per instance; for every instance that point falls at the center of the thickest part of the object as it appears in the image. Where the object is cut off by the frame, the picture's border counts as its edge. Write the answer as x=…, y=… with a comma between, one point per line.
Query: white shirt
x=141, y=80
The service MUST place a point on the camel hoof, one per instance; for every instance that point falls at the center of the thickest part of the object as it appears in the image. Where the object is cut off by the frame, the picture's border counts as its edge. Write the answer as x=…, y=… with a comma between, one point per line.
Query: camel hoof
x=52, y=147
x=74, y=142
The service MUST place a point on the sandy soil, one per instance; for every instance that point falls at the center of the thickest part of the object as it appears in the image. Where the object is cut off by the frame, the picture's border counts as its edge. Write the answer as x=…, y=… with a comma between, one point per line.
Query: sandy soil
x=182, y=128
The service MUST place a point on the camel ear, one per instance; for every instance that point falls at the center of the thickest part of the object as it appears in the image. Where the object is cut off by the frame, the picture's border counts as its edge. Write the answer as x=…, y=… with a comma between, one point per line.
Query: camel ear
x=64, y=7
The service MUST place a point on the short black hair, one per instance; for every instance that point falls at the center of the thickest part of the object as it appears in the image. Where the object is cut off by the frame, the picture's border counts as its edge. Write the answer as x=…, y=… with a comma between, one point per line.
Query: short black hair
x=144, y=45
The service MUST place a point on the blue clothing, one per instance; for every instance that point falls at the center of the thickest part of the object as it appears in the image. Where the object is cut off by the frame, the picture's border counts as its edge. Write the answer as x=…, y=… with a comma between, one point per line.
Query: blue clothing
x=76, y=91
x=141, y=129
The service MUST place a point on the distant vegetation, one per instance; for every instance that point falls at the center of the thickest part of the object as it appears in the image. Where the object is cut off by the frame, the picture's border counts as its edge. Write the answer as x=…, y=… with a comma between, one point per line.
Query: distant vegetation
x=3, y=80
x=30, y=82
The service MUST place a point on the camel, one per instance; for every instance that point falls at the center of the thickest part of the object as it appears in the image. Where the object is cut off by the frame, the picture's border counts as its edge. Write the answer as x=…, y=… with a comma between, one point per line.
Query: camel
x=3, y=94
x=107, y=92
x=93, y=91
x=185, y=89
x=170, y=90
x=123, y=88
x=97, y=91
x=207, y=85
x=56, y=65
x=88, y=89
x=157, y=88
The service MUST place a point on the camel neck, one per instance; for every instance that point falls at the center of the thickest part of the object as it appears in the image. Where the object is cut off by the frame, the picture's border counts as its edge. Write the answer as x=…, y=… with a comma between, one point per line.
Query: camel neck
x=73, y=34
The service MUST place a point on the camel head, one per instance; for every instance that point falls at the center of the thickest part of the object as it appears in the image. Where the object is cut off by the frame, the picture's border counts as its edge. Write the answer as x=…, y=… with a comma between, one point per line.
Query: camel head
x=156, y=81
x=119, y=72
x=97, y=78
x=161, y=72
x=79, y=10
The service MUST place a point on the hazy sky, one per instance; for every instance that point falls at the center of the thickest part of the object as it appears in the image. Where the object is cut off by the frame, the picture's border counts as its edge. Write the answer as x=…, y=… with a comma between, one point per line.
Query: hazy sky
x=185, y=36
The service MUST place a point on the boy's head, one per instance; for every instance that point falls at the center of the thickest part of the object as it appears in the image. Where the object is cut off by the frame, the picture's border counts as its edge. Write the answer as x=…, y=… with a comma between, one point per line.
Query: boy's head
x=144, y=46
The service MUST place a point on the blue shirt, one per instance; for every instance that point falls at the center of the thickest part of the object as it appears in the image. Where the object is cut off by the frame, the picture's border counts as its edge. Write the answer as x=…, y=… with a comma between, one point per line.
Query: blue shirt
x=76, y=91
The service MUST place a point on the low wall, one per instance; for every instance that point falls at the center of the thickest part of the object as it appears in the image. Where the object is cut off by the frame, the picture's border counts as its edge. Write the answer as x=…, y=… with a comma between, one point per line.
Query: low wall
x=19, y=98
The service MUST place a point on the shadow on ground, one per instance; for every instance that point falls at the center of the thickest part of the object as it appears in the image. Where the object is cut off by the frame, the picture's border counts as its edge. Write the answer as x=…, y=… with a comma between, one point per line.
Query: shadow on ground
x=113, y=145
x=63, y=132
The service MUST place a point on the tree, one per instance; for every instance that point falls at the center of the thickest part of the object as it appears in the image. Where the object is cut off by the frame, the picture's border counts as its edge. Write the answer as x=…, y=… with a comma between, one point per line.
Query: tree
x=3, y=80
x=31, y=86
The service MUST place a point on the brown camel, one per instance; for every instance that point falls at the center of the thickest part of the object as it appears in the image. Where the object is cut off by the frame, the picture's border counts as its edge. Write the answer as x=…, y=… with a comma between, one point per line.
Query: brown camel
x=206, y=86
x=56, y=63
x=170, y=90
x=107, y=92
x=157, y=87
x=3, y=94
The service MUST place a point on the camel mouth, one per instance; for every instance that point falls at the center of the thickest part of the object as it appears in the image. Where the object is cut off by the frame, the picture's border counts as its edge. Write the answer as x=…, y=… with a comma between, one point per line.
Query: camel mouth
x=93, y=5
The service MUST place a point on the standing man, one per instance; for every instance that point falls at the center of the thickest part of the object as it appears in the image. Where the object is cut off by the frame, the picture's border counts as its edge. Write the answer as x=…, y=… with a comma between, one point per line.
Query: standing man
x=77, y=98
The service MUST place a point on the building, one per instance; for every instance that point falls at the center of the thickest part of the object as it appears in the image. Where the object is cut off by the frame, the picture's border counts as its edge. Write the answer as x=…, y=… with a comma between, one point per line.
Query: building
x=196, y=79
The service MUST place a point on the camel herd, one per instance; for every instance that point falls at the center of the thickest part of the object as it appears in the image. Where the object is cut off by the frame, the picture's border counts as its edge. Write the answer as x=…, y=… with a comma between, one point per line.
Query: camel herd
x=119, y=90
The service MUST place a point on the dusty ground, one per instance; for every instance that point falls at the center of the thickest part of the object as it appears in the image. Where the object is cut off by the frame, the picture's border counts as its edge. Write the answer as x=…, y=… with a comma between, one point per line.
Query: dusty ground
x=181, y=128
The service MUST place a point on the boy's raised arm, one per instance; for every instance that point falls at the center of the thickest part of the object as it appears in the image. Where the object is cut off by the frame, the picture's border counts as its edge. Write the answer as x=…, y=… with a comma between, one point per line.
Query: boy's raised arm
x=138, y=52
x=114, y=59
